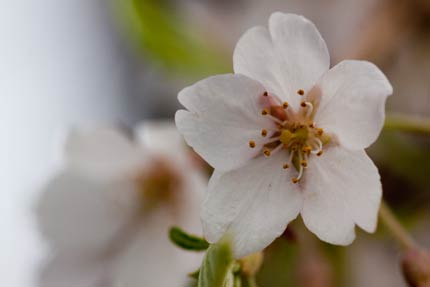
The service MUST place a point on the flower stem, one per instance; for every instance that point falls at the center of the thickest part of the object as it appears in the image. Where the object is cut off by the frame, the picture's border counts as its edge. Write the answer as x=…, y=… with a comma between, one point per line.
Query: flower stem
x=395, y=227
x=407, y=124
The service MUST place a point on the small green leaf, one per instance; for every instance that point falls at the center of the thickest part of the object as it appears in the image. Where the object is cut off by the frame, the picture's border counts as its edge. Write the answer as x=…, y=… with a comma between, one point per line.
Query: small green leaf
x=217, y=265
x=187, y=241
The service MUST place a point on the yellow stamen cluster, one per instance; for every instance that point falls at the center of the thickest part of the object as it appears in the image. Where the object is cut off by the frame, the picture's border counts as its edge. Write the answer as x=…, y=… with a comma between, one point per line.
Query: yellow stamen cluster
x=295, y=133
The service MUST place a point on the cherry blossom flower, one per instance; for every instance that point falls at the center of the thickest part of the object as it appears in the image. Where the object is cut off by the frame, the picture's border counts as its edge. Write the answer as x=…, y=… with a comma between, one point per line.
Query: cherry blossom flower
x=286, y=135
x=106, y=215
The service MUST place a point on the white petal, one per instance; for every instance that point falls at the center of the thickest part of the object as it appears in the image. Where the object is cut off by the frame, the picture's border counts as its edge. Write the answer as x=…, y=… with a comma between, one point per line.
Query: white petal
x=159, y=136
x=353, y=95
x=77, y=213
x=224, y=115
x=291, y=57
x=102, y=152
x=253, y=204
x=71, y=270
x=341, y=188
x=146, y=258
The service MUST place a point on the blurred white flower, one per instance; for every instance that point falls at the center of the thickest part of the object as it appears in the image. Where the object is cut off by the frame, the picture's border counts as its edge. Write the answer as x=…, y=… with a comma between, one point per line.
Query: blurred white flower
x=264, y=129
x=106, y=215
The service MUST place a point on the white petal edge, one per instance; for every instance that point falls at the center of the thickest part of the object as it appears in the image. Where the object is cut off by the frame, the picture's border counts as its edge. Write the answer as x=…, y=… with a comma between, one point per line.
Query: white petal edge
x=252, y=204
x=342, y=188
x=353, y=96
x=292, y=56
x=224, y=114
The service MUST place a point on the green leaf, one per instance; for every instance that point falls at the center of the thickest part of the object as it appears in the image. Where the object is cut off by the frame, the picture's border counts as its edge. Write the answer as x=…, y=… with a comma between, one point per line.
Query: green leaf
x=187, y=241
x=217, y=265
x=162, y=35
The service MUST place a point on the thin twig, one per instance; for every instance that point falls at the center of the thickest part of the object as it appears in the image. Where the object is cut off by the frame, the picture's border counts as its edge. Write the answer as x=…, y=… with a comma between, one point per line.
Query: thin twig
x=407, y=124
x=395, y=227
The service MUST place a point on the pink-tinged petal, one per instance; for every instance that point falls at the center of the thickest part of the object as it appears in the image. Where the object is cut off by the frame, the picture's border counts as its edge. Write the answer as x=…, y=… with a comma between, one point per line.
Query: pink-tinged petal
x=224, y=114
x=102, y=152
x=353, y=95
x=252, y=204
x=291, y=57
x=341, y=188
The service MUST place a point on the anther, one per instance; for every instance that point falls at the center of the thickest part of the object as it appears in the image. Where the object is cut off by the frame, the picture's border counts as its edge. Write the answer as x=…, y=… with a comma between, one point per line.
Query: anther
x=265, y=112
x=306, y=149
x=252, y=144
x=265, y=94
x=319, y=153
x=312, y=125
x=263, y=132
x=295, y=180
x=320, y=131
x=301, y=92
x=285, y=105
x=285, y=166
x=309, y=106
x=304, y=163
x=266, y=152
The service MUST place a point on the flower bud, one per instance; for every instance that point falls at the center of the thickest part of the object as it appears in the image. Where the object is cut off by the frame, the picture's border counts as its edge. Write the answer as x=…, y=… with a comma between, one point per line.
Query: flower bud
x=416, y=267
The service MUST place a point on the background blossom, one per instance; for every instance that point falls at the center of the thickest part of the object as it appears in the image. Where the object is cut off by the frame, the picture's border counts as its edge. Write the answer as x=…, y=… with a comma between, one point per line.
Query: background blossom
x=102, y=230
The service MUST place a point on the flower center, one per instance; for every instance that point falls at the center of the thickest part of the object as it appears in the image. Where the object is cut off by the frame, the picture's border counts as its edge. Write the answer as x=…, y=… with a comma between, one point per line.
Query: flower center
x=158, y=184
x=295, y=132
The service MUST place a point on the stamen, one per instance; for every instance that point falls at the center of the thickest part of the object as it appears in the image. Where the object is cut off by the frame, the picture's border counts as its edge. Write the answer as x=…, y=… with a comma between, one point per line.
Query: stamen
x=297, y=179
x=252, y=144
x=307, y=149
x=285, y=105
x=319, y=153
x=285, y=166
x=320, y=145
x=310, y=108
x=320, y=131
x=266, y=152
x=301, y=92
x=271, y=140
x=276, y=149
x=263, y=132
x=265, y=112
x=312, y=125
x=265, y=94
x=290, y=159
x=304, y=163
x=276, y=120
x=303, y=104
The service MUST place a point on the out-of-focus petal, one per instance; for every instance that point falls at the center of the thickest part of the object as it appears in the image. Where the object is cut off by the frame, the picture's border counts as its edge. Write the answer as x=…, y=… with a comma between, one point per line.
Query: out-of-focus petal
x=102, y=153
x=77, y=213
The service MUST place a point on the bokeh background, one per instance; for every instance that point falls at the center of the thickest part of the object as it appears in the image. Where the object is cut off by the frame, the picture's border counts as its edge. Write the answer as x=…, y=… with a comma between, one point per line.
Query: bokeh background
x=68, y=63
